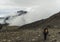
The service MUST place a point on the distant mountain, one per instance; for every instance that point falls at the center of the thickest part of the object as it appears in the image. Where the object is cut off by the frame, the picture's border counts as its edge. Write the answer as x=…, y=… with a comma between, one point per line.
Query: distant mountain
x=53, y=22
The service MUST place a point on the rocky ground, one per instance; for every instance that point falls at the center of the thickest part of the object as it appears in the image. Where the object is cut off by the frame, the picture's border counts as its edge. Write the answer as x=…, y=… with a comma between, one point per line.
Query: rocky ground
x=29, y=35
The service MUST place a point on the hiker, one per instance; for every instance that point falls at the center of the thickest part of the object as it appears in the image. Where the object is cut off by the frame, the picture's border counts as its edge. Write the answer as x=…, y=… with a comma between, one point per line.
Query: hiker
x=1, y=26
x=45, y=33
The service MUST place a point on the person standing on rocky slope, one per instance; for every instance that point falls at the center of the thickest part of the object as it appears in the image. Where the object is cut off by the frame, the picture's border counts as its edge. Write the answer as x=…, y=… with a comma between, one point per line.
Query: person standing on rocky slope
x=1, y=26
x=45, y=33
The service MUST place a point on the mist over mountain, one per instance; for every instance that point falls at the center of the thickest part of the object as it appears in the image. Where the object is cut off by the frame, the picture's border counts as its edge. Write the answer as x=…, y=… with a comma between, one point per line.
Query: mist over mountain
x=37, y=10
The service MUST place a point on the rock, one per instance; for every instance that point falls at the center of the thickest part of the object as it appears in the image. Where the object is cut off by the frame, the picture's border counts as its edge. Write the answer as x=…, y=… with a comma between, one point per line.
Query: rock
x=58, y=41
x=4, y=40
x=9, y=40
x=17, y=37
x=53, y=36
x=58, y=32
x=33, y=39
x=36, y=37
x=39, y=35
x=54, y=40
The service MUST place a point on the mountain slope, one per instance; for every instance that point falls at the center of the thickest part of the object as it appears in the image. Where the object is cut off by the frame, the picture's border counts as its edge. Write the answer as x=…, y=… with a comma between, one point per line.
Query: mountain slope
x=53, y=21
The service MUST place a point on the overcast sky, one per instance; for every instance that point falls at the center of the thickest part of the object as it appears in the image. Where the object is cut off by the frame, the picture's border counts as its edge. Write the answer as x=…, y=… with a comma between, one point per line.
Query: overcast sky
x=37, y=9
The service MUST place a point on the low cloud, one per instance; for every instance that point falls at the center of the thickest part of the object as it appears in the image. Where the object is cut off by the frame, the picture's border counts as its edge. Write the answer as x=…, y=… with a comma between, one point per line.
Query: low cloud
x=37, y=10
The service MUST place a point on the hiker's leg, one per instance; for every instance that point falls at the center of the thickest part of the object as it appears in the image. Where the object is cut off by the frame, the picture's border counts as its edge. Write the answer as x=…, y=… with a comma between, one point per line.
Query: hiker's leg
x=45, y=36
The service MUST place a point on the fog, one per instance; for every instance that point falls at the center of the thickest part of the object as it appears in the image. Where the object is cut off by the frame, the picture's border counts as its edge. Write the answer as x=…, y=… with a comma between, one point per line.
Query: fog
x=37, y=10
